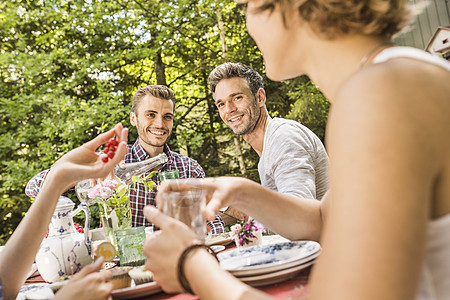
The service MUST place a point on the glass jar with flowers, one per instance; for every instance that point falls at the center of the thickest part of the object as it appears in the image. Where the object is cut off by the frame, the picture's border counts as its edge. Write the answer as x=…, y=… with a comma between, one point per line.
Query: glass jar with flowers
x=113, y=205
x=247, y=232
x=112, y=198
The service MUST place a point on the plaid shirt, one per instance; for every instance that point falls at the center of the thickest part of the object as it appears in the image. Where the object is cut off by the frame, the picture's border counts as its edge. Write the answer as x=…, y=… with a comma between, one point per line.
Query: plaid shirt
x=139, y=197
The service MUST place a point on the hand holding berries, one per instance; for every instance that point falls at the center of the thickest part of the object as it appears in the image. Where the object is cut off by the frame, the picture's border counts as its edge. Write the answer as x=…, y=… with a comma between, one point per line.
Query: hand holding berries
x=109, y=150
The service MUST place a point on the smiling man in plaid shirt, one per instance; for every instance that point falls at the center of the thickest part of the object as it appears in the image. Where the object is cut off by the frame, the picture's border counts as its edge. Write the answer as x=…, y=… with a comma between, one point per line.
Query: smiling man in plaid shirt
x=152, y=114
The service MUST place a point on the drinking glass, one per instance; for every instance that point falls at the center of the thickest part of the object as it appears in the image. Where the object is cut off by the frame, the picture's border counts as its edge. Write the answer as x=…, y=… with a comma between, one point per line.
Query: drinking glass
x=187, y=207
x=130, y=242
x=82, y=188
x=170, y=174
x=114, y=214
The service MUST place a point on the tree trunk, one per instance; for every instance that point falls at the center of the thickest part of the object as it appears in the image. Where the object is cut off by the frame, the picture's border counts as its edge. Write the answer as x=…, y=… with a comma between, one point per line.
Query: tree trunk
x=222, y=33
x=160, y=69
x=237, y=142
x=211, y=112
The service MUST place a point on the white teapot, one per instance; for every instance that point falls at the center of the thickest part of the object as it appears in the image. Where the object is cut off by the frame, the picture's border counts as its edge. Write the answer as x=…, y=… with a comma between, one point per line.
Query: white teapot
x=65, y=251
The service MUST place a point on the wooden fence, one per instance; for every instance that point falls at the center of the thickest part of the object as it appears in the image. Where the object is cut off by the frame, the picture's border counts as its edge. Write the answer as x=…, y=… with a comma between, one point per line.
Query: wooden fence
x=437, y=13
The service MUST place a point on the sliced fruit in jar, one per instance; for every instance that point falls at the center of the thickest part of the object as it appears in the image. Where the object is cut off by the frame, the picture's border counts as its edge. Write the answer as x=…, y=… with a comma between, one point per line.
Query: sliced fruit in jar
x=106, y=250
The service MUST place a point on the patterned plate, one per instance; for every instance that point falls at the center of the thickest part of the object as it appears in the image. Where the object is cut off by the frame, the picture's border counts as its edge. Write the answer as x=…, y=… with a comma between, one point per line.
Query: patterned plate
x=263, y=259
x=35, y=291
x=275, y=277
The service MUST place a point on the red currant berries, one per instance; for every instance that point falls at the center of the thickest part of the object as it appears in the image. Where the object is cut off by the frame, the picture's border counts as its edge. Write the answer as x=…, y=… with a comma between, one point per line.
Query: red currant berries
x=78, y=227
x=109, y=150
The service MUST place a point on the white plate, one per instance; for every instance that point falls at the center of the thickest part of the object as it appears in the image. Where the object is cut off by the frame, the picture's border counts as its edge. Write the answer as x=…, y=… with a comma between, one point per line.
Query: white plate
x=218, y=248
x=137, y=291
x=262, y=259
x=275, y=277
x=35, y=291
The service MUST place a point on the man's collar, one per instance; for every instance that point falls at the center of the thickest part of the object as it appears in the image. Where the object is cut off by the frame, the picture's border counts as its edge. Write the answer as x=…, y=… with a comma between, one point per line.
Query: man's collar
x=138, y=151
x=168, y=153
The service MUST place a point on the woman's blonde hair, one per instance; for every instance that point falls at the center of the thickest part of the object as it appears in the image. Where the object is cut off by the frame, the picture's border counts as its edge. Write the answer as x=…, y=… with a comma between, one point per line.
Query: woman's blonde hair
x=332, y=18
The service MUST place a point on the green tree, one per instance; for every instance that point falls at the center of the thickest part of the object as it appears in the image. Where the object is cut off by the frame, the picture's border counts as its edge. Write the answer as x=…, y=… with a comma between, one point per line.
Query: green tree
x=311, y=107
x=68, y=71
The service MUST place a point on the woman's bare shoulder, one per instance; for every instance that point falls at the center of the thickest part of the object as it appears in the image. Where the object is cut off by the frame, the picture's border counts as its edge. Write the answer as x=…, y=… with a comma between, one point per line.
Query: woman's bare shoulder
x=399, y=103
x=404, y=87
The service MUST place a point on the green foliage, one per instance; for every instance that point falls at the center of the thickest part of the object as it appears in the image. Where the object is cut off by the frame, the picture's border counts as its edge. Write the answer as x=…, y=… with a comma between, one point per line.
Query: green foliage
x=147, y=181
x=11, y=212
x=311, y=108
x=117, y=204
x=68, y=70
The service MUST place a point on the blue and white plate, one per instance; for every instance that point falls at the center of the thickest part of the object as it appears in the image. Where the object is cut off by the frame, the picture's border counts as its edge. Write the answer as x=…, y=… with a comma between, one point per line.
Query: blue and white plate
x=254, y=260
x=137, y=291
x=40, y=291
x=275, y=277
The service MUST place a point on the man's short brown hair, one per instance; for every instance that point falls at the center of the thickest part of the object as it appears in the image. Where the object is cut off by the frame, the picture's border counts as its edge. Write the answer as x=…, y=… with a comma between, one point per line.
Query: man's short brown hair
x=157, y=91
x=232, y=70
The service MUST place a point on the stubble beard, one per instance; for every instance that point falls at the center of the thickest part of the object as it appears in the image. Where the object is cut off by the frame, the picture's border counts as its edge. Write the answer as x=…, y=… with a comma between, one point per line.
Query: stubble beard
x=144, y=136
x=253, y=118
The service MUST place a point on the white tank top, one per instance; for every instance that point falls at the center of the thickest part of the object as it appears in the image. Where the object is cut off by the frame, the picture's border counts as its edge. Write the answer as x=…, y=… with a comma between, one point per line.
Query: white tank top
x=409, y=52
x=435, y=283
x=436, y=275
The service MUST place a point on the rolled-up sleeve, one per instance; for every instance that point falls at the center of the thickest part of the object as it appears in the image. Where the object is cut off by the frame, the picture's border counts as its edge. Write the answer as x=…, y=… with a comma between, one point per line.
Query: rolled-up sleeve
x=34, y=185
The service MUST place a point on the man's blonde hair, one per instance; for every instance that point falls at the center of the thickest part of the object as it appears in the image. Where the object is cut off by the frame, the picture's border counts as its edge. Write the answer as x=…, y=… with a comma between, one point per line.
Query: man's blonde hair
x=157, y=91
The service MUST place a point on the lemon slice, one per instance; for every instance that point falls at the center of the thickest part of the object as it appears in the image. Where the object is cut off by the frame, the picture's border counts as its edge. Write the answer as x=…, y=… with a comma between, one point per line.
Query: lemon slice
x=106, y=250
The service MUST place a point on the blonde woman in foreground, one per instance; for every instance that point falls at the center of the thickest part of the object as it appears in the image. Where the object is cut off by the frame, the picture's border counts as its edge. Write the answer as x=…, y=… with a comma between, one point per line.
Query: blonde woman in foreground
x=386, y=231
x=19, y=252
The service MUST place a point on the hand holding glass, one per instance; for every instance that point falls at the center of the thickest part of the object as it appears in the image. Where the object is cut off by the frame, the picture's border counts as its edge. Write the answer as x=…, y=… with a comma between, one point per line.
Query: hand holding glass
x=187, y=207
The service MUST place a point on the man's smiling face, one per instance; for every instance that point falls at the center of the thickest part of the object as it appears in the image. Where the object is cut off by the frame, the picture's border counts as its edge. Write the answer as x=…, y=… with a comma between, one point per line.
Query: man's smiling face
x=153, y=120
x=237, y=105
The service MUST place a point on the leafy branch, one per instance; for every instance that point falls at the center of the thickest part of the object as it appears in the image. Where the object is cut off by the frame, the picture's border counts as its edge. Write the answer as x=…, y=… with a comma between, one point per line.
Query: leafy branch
x=147, y=181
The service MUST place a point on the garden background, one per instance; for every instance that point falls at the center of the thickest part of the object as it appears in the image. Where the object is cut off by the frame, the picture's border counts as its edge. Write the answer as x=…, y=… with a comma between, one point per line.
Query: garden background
x=69, y=69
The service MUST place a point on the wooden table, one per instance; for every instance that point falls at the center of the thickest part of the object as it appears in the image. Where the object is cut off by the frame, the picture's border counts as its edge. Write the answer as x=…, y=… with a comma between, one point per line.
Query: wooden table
x=294, y=288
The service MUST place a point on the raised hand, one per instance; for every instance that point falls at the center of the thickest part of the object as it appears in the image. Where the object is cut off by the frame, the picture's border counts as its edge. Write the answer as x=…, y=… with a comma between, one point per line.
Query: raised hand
x=220, y=191
x=88, y=284
x=164, y=247
x=85, y=162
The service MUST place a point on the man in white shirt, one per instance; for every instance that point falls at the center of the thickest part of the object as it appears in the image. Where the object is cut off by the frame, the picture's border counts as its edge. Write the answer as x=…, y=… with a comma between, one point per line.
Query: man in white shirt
x=293, y=160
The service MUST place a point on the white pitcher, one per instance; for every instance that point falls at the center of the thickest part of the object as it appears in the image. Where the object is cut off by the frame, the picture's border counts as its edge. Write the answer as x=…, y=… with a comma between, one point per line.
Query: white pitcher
x=65, y=251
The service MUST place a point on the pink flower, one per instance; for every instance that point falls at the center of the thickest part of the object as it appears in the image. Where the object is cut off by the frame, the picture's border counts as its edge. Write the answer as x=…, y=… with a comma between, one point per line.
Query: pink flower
x=105, y=192
x=259, y=227
x=112, y=184
x=94, y=192
x=108, y=190
x=244, y=231
x=235, y=229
